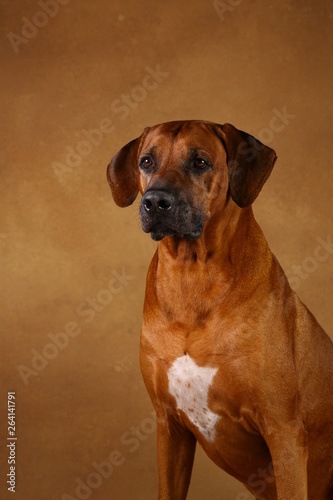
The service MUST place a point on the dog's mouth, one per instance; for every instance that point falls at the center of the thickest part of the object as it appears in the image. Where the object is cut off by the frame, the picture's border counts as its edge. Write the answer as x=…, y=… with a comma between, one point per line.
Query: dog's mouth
x=180, y=223
x=158, y=232
x=166, y=213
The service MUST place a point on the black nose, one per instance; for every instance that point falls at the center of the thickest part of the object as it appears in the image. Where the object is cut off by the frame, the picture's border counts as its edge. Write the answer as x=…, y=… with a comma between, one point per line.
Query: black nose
x=157, y=200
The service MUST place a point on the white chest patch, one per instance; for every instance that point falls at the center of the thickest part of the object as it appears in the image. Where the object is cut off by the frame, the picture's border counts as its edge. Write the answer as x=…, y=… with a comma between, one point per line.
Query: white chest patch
x=189, y=385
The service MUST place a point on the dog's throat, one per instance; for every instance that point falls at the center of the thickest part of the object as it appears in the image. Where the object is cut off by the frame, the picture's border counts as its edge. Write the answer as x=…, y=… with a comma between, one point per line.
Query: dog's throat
x=189, y=384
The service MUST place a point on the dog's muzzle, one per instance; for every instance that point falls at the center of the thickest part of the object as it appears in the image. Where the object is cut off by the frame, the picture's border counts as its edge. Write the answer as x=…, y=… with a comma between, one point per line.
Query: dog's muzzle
x=162, y=214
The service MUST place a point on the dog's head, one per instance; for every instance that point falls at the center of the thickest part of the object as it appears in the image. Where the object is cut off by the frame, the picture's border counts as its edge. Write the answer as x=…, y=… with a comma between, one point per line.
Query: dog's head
x=186, y=169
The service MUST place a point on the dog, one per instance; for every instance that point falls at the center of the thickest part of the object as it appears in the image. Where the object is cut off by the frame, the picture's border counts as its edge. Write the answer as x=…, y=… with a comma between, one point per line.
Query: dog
x=229, y=354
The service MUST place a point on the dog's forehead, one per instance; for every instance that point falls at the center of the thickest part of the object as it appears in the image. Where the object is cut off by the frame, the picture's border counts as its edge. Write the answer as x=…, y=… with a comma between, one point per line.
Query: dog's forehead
x=182, y=136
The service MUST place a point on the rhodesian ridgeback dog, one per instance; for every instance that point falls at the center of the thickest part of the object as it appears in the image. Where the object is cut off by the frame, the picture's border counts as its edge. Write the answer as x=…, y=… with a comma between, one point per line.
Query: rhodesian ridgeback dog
x=230, y=356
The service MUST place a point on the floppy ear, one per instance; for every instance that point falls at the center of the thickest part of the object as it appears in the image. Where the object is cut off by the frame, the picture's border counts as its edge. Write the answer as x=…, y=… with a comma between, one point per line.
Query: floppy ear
x=123, y=174
x=249, y=164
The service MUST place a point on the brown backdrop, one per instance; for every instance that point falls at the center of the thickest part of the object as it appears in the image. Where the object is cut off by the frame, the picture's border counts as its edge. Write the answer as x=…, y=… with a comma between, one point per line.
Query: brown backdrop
x=80, y=79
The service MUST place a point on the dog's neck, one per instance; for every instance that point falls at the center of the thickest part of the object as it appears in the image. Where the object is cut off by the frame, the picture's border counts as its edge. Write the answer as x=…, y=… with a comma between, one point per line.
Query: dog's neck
x=231, y=255
x=225, y=241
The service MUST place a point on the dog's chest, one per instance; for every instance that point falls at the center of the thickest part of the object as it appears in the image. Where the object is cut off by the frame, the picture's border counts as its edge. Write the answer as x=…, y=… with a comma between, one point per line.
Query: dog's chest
x=189, y=384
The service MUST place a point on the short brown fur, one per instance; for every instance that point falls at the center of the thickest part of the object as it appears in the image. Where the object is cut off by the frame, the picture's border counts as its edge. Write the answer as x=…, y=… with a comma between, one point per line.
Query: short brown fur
x=223, y=298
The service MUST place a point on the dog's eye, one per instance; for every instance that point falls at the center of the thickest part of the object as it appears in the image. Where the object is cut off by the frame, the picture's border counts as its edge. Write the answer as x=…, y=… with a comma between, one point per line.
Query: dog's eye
x=146, y=162
x=200, y=163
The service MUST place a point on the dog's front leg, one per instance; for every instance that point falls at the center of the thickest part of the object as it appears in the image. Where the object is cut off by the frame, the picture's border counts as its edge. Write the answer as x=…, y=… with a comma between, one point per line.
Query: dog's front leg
x=289, y=453
x=175, y=450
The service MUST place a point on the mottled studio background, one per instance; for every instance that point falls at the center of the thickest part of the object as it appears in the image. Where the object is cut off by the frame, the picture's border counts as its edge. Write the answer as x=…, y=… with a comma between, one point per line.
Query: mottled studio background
x=80, y=79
